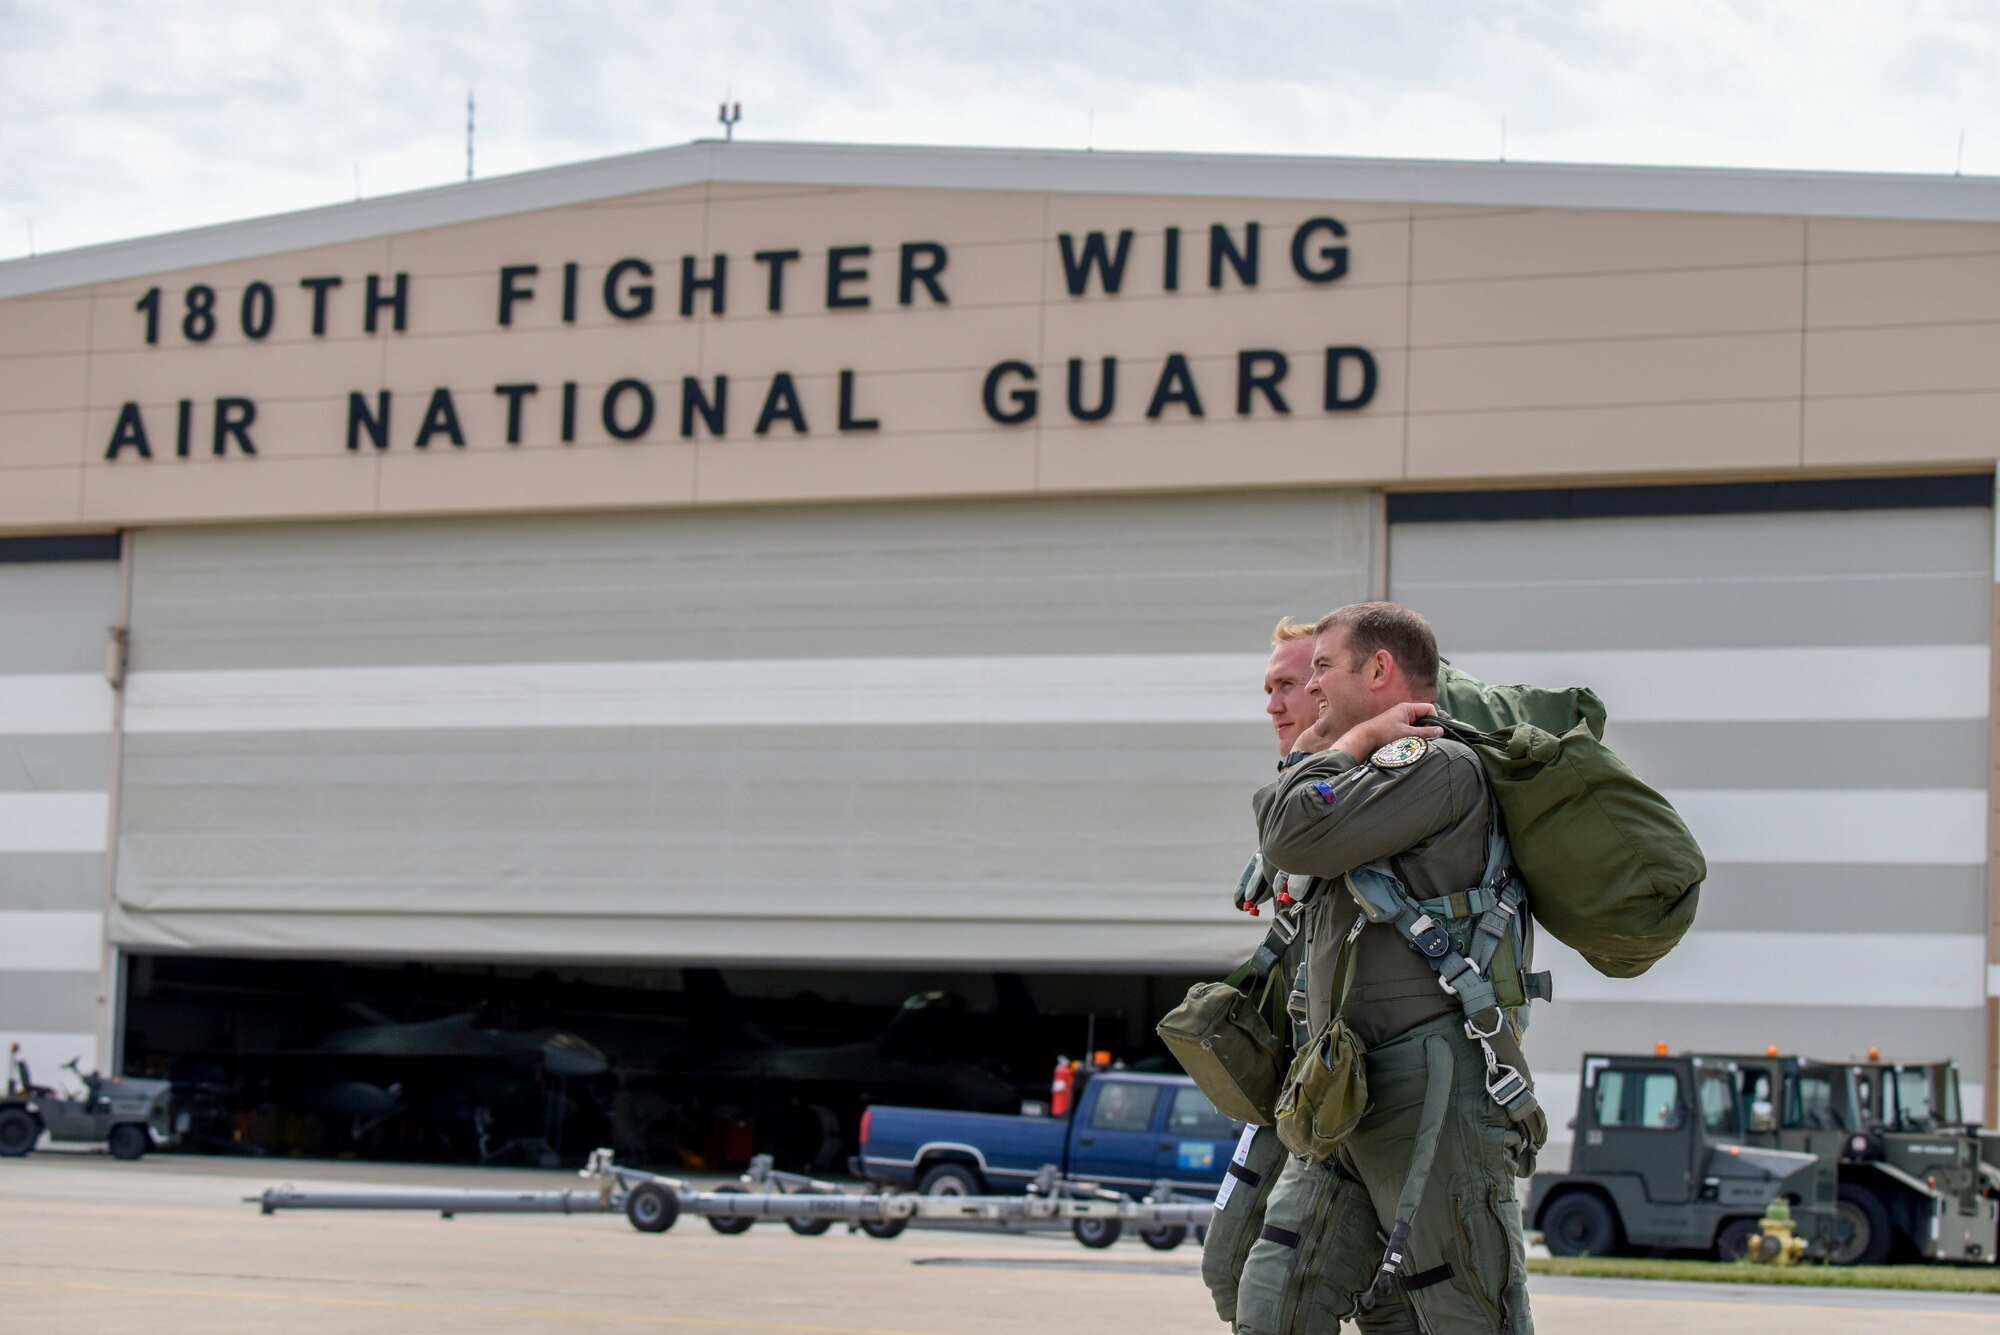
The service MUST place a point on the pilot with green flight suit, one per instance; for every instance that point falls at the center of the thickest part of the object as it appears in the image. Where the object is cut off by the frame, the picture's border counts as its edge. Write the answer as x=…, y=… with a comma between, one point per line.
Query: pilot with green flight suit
x=1253, y=1168
x=1375, y=781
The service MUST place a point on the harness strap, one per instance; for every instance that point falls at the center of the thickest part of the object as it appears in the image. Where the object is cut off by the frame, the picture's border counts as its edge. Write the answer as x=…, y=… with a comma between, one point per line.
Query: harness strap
x=1430, y=1126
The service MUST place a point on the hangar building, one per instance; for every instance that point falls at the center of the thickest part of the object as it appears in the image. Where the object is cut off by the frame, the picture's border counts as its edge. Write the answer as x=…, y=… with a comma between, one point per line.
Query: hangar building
x=840, y=573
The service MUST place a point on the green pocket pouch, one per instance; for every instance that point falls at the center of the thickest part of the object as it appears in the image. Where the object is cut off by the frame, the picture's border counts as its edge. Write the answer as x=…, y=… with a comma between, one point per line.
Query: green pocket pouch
x=1325, y=1093
x=1222, y=1041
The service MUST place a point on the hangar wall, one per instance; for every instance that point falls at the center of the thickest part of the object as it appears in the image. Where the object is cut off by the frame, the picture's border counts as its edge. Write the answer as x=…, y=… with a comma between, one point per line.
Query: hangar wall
x=1016, y=734
x=57, y=598
x=1810, y=689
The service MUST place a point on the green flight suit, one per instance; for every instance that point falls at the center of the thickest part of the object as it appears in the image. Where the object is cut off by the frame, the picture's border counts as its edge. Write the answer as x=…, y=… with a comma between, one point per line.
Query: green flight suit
x=1326, y=1224
x=1252, y=1172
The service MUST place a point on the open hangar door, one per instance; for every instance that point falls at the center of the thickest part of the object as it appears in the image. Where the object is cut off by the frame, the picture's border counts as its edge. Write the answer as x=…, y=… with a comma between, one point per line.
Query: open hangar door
x=695, y=1068
x=867, y=752
x=1803, y=669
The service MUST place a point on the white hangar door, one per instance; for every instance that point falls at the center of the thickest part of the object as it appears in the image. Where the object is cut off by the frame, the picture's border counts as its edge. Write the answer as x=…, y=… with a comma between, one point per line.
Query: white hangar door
x=1016, y=734
x=58, y=596
x=1811, y=690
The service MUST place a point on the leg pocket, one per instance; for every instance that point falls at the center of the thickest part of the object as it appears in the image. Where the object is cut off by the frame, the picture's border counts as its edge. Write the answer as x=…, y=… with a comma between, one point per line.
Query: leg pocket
x=1240, y=1218
x=1343, y=1268
x=1491, y=1253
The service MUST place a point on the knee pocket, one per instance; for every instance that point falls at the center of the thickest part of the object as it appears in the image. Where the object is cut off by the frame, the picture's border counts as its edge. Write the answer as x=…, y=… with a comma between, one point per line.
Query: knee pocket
x=1239, y=1220
x=1487, y=1286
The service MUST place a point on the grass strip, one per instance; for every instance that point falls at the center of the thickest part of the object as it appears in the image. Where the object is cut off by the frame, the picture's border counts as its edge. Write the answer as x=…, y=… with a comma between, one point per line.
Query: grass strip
x=1929, y=1278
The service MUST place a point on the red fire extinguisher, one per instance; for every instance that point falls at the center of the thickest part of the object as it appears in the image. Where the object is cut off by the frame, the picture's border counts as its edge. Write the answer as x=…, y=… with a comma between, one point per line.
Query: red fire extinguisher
x=1063, y=1088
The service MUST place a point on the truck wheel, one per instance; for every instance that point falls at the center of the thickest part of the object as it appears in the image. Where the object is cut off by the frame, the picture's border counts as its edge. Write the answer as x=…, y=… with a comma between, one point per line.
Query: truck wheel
x=1862, y=1235
x=949, y=1179
x=1097, y=1232
x=1578, y=1223
x=807, y=1228
x=652, y=1208
x=1732, y=1240
x=18, y=1132
x=1164, y=1238
x=729, y=1225
x=884, y=1228
x=129, y=1141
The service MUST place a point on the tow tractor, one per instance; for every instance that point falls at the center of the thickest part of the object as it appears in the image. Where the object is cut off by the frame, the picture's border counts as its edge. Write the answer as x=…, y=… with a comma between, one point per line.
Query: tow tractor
x=653, y=1204
x=130, y=1116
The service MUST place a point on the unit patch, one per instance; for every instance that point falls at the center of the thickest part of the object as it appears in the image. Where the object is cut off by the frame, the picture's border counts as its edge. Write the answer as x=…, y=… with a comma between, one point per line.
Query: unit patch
x=1401, y=753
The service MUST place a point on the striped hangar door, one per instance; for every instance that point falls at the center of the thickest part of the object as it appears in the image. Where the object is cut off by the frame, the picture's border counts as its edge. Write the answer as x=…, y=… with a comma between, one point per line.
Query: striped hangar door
x=1009, y=734
x=1809, y=686
x=58, y=596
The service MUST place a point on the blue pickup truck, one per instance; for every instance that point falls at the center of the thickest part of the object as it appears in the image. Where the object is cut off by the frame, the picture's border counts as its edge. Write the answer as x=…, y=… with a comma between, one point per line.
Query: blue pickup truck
x=1129, y=1131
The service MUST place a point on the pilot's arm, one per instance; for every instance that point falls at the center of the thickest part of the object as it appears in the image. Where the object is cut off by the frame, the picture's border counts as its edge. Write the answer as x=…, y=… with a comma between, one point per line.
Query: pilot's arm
x=1331, y=813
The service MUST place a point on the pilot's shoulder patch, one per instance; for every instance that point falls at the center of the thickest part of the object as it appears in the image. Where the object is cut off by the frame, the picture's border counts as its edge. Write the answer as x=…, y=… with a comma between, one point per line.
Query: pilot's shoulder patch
x=1401, y=753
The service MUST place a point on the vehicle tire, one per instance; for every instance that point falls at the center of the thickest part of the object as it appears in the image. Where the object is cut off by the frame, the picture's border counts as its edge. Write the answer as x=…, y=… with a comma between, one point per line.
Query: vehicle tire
x=884, y=1228
x=1164, y=1238
x=1862, y=1235
x=652, y=1208
x=807, y=1228
x=950, y=1179
x=18, y=1132
x=1098, y=1233
x=1580, y=1223
x=729, y=1225
x=1732, y=1240
x=129, y=1141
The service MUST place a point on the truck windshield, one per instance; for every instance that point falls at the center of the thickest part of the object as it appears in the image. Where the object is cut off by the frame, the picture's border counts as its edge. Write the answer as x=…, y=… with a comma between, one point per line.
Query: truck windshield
x=1717, y=1092
x=1813, y=1099
x=1928, y=1096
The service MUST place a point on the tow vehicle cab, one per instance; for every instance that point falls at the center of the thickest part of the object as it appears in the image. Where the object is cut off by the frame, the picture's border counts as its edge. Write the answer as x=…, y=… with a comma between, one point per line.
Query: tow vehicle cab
x=1660, y=1160
x=1910, y=1170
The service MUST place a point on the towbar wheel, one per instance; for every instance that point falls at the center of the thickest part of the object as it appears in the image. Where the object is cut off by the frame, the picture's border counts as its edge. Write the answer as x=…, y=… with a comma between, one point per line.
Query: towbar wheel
x=652, y=1208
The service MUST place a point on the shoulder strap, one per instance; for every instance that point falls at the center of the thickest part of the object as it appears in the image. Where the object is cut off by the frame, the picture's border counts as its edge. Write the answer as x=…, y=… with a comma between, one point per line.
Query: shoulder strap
x=1255, y=970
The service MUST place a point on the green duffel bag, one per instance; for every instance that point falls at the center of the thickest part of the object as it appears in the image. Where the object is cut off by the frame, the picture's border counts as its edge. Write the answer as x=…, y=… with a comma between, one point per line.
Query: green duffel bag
x=1325, y=1093
x=1495, y=708
x=1612, y=870
x=1220, y=1038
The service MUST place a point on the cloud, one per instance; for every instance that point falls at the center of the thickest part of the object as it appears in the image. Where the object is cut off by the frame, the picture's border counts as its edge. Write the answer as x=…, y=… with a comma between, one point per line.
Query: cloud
x=120, y=120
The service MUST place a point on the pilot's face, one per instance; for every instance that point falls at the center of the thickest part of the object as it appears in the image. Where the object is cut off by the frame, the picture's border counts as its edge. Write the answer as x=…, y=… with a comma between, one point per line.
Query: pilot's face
x=1290, y=709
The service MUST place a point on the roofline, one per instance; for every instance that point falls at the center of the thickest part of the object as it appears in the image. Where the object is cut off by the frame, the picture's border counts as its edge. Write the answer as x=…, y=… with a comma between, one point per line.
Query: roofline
x=1886, y=196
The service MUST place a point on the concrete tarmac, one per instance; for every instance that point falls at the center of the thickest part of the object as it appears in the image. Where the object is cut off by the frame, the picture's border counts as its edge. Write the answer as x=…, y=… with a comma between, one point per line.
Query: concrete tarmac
x=168, y=1244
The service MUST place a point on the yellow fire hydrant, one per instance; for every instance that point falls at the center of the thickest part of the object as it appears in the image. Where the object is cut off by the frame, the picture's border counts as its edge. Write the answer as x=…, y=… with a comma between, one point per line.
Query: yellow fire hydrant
x=1774, y=1242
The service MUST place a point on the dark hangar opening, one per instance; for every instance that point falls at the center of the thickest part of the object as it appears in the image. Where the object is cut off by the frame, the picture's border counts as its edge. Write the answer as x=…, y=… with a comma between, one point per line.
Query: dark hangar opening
x=691, y=1067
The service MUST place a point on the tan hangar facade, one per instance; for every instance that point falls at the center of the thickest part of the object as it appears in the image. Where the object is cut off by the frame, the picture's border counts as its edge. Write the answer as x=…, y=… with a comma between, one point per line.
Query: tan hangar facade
x=442, y=538
x=721, y=325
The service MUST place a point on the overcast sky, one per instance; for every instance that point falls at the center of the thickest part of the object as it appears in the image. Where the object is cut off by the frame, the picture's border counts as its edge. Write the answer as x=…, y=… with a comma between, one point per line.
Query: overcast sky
x=125, y=119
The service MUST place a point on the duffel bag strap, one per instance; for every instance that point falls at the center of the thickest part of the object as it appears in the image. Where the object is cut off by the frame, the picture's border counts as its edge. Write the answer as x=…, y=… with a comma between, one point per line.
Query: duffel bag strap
x=1252, y=973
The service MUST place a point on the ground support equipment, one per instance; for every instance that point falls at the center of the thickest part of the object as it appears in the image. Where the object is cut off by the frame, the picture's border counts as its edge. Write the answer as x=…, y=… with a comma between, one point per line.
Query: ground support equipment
x=654, y=1203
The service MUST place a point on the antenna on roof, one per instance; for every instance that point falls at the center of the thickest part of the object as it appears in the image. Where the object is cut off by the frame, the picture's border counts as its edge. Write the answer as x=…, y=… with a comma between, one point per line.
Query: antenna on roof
x=1503, y=139
x=468, y=134
x=31, y=236
x=1958, y=167
x=730, y=113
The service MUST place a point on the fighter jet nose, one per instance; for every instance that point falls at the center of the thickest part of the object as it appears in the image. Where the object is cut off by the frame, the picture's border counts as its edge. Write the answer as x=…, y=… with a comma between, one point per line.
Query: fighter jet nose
x=568, y=1055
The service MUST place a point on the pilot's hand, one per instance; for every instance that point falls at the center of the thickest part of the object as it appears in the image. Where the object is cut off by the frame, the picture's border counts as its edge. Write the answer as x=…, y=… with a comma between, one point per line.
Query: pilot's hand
x=1365, y=739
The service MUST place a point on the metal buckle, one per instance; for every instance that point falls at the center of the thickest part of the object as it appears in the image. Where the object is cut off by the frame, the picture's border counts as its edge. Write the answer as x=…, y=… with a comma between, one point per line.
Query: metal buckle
x=1472, y=1032
x=1429, y=938
x=1506, y=1084
x=1471, y=967
x=1286, y=925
